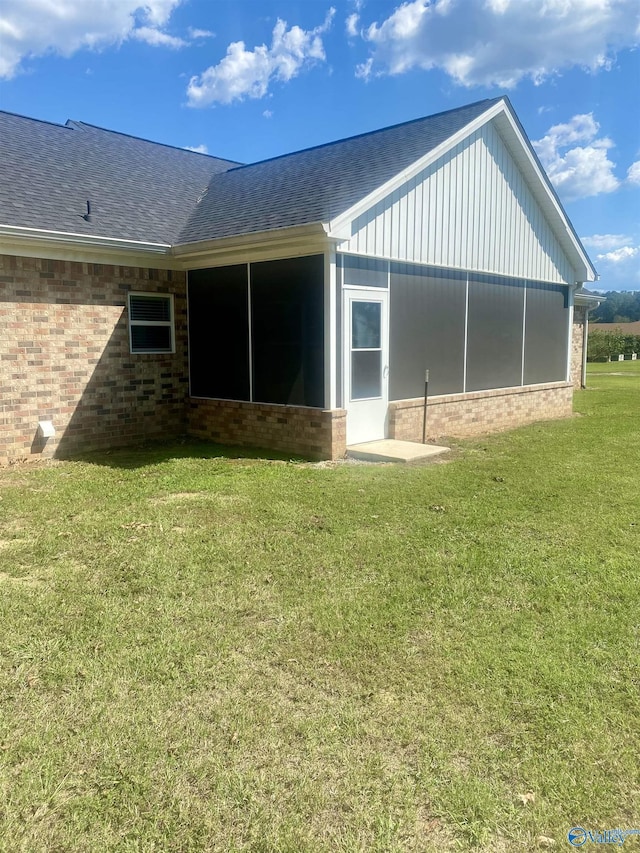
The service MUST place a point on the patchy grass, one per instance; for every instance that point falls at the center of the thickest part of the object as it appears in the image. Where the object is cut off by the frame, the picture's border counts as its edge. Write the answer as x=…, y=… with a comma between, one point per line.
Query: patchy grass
x=208, y=653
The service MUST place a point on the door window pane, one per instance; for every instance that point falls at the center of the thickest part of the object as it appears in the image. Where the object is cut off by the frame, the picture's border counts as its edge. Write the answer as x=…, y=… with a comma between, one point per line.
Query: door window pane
x=366, y=378
x=365, y=325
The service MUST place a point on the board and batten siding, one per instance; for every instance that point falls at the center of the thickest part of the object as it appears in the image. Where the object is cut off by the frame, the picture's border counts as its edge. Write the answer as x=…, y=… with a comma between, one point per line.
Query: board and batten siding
x=470, y=209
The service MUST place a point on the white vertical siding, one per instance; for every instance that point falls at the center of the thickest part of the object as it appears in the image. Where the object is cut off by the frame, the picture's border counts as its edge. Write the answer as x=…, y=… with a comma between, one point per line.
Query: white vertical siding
x=471, y=209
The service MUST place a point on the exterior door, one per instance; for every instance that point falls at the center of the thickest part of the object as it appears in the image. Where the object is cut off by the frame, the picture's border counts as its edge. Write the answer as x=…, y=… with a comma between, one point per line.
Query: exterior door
x=366, y=381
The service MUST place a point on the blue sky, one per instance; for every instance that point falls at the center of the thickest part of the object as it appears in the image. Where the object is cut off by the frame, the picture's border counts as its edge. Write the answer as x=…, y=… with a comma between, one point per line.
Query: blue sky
x=247, y=80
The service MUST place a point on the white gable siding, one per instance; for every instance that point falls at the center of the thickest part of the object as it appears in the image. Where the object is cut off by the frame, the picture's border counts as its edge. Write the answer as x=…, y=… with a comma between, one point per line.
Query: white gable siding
x=471, y=209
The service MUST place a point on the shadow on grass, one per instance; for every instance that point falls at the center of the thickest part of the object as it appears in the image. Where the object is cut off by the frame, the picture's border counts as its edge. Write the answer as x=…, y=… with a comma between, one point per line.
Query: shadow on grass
x=155, y=452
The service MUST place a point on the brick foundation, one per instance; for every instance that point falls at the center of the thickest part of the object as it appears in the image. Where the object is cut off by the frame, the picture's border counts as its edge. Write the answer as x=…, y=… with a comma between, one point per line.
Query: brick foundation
x=479, y=412
x=312, y=433
x=64, y=357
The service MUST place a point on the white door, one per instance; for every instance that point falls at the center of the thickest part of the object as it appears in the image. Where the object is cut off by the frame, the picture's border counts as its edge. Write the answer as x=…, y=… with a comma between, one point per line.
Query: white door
x=366, y=382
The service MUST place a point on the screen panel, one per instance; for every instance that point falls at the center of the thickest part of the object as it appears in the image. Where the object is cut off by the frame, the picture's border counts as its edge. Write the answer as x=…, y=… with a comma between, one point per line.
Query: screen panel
x=494, y=342
x=287, y=319
x=364, y=272
x=427, y=318
x=219, y=332
x=546, y=333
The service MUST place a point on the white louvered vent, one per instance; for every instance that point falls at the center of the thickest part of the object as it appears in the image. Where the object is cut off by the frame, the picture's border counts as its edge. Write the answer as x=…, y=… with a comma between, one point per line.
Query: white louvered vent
x=151, y=323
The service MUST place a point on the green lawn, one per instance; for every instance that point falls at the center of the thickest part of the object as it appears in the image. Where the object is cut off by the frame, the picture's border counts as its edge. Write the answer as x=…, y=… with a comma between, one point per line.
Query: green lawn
x=208, y=653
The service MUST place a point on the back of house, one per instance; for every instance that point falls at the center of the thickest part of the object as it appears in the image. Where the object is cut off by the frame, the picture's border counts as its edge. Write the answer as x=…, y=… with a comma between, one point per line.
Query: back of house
x=294, y=304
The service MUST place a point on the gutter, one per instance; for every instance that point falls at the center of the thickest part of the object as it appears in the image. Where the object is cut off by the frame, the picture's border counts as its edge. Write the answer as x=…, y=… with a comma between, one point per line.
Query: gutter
x=63, y=238
x=257, y=245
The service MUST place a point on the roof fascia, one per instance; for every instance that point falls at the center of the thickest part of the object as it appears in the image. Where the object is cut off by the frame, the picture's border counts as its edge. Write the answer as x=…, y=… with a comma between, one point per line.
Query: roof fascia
x=293, y=241
x=338, y=227
x=59, y=245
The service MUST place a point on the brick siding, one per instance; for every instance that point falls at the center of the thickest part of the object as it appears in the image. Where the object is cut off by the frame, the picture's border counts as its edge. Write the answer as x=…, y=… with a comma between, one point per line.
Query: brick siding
x=312, y=433
x=577, y=343
x=64, y=357
x=479, y=412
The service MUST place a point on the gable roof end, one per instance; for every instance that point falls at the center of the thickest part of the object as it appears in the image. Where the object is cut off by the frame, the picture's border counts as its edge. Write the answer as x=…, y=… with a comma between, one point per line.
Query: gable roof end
x=501, y=112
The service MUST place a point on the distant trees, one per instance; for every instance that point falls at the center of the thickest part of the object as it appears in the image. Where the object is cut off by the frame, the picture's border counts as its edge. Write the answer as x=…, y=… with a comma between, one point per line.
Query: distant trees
x=602, y=346
x=619, y=307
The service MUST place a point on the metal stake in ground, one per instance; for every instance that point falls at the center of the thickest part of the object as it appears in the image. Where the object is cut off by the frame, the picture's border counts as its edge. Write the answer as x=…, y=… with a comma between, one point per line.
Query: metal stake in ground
x=424, y=417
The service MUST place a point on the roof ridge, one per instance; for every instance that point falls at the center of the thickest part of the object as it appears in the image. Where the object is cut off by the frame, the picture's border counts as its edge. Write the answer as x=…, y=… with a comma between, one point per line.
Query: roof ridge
x=82, y=124
x=39, y=120
x=332, y=142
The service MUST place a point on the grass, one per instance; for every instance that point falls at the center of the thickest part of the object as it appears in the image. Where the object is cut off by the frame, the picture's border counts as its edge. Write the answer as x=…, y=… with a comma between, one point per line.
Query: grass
x=208, y=653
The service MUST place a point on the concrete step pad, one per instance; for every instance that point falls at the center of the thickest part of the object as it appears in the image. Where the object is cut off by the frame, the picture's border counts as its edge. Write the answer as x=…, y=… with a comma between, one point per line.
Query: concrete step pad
x=391, y=450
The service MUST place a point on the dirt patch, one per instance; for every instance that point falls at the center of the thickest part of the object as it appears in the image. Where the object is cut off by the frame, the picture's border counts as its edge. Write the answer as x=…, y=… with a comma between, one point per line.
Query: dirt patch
x=25, y=580
x=5, y=544
x=30, y=462
x=213, y=497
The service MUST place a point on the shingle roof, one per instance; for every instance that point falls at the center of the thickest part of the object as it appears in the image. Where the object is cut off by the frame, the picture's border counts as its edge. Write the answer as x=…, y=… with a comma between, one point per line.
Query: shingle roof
x=320, y=183
x=138, y=190
x=146, y=191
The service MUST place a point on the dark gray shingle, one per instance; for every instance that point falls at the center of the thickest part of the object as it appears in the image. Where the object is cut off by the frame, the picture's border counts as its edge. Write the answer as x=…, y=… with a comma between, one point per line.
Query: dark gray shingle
x=138, y=190
x=320, y=183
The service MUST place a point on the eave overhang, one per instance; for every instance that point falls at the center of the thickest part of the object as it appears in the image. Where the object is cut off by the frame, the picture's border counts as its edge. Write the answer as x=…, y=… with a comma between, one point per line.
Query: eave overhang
x=588, y=300
x=293, y=241
x=87, y=248
x=265, y=245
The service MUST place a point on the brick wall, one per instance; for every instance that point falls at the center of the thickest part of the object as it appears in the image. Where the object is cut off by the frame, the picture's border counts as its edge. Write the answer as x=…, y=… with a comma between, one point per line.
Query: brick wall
x=312, y=433
x=479, y=412
x=64, y=357
x=577, y=339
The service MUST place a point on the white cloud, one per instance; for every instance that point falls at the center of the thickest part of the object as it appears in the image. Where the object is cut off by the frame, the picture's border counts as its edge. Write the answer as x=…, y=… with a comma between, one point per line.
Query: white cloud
x=196, y=33
x=198, y=149
x=246, y=73
x=352, y=24
x=267, y=114
x=30, y=28
x=500, y=42
x=156, y=38
x=605, y=242
x=619, y=256
x=577, y=171
x=633, y=174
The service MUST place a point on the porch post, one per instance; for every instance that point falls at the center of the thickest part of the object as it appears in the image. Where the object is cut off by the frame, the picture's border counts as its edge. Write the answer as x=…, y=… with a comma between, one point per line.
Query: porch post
x=330, y=336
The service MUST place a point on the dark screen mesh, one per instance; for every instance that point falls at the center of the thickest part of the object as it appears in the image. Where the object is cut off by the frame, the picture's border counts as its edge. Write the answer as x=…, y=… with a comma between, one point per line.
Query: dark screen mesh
x=219, y=333
x=427, y=311
x=287, y=310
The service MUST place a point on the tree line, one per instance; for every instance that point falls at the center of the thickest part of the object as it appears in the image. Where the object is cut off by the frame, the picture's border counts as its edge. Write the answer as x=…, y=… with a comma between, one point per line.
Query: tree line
x=619, y=307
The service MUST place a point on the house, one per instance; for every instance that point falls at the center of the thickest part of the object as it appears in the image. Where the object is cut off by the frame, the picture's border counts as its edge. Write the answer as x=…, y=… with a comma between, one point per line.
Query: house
x=294, y=304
